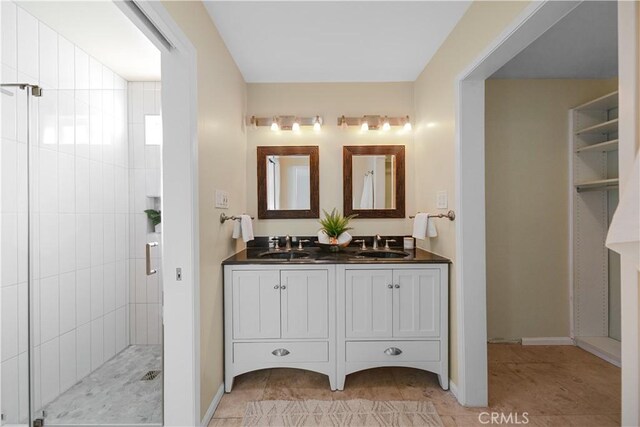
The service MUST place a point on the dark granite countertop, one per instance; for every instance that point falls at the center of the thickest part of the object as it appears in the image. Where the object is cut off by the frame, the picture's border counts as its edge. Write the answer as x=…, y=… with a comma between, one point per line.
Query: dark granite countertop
x=349, y=255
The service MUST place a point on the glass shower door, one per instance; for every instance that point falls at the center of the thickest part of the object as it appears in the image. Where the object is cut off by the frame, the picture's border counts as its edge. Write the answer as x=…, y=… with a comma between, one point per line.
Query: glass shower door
x=17, y=266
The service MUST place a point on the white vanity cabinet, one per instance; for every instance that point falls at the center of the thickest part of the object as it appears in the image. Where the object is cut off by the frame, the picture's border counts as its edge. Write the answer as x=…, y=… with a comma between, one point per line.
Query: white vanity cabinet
x=279, y=316
x=392, y=315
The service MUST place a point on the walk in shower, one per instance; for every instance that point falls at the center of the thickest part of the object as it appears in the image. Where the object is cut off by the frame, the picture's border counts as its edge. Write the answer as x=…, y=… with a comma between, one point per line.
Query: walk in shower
x=81, y=328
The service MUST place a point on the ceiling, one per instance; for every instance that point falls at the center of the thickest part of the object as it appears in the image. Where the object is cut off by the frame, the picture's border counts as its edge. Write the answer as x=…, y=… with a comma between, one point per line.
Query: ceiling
x=582, y=45
x=104, y=32
x=334, y=41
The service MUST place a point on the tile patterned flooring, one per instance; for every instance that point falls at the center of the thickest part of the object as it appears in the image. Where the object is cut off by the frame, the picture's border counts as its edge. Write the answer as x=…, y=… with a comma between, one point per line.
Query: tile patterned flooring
x=555, y=385
x=114, y=393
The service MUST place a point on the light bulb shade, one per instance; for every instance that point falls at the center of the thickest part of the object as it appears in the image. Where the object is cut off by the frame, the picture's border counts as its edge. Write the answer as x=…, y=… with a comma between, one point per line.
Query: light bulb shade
x=364, y=127
x=274, y=125
x=343, y=123
x=407, y=126
x=386, y=126
x=295, y=126
x=317, y=124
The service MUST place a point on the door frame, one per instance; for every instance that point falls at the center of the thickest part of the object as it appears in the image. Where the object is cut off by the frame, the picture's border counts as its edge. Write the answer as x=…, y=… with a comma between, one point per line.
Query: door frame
x=537, y=18
x=180, y=236
x=628, y=110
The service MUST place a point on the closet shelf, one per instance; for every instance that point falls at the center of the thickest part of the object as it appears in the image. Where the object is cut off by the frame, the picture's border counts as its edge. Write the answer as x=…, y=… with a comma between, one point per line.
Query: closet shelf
x=606, y=102
x=606, y=127
x=601, y=184
x=600, y=147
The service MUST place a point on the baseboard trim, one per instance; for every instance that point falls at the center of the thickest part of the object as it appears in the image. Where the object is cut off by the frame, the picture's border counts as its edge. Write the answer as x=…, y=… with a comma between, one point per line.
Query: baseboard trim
x=454, y=389
x=548, y=341
x=602, y=353
x=212, y=407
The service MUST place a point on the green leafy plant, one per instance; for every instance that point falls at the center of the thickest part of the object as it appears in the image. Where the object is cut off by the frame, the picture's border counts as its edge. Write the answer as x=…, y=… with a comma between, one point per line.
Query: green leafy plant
x=334, y=224
x=154, y=216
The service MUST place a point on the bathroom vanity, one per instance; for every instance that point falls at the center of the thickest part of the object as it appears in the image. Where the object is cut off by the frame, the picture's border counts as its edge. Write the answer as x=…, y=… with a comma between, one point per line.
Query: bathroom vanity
x=335, y=313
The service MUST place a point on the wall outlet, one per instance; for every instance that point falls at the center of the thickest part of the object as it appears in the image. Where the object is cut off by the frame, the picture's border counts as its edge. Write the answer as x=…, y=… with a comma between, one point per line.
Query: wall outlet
x=222, y=199
x=442, y=200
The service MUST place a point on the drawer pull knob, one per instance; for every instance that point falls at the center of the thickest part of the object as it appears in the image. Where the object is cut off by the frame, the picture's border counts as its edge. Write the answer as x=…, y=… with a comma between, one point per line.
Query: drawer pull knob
x=390, y=286
x=280, y=352
x=393, y=351
x=276, y=287
x=397, y=286
x=283, y=287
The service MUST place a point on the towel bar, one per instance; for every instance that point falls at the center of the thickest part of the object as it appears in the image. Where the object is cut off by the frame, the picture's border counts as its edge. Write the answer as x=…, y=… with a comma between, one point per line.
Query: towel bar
x=224, y=217
x=451, y=215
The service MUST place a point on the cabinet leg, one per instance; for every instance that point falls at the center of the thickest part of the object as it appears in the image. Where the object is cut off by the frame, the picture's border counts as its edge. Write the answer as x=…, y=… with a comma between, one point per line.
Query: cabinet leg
x=332, y=382
x=228, y=384
x=444, y=381
x=340, y=380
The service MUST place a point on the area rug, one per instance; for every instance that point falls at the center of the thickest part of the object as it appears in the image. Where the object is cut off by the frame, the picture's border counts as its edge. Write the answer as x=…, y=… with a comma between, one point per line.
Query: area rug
x=340, y=413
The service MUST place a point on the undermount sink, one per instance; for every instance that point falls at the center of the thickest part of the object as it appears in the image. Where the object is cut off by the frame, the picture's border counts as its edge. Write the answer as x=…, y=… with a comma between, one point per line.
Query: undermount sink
x=382, y=254
x=284, y=255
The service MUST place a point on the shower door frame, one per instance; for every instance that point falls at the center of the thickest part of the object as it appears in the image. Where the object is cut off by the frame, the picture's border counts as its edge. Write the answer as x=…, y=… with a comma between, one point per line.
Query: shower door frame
x=180, y=234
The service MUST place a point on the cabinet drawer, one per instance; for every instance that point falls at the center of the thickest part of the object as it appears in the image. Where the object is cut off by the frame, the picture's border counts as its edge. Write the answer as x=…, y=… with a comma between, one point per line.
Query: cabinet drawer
x=393, y=351
x=298, y=352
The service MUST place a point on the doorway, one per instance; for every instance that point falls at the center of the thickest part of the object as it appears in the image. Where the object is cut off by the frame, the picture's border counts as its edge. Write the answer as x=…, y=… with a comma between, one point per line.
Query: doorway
x=82, y=286
x=470, y=232
x=83, y=342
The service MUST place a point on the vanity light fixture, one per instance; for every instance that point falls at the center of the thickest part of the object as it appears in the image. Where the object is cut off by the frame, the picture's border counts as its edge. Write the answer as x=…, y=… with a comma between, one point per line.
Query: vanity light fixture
x=407, y=125
x=282, y=123
x=342, y=122
x=375, y=122
x=296, y=126
x=385, y=125
x=253, y=122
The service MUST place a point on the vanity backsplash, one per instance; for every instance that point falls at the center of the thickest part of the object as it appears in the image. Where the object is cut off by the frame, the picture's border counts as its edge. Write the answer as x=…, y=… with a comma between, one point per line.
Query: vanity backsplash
x=266, y=241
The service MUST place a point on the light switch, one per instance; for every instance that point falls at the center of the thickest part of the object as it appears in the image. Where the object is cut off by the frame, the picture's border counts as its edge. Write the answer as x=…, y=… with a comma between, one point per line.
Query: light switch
x=222, y=199
x=442, y=200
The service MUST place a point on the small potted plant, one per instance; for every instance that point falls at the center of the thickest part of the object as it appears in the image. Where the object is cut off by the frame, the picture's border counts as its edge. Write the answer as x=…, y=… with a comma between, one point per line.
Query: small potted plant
x=333, y=235
x=155, y=218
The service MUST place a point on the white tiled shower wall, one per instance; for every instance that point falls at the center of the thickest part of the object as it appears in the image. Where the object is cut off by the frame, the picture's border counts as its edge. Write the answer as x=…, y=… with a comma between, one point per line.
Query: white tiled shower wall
x=144, y=292
x=80, y=213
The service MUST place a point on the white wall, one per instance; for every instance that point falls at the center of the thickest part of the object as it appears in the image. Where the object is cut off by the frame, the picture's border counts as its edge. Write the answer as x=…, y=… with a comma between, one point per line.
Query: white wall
x=144, y=175
x=79, y=213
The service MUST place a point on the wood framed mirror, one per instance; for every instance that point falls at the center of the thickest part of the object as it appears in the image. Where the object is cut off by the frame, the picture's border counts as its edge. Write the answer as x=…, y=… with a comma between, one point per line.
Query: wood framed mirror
x=288, y=182
x=373, y=181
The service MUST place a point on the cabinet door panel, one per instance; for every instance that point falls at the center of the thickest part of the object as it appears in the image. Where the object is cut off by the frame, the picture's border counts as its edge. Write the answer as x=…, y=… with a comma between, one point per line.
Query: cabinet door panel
x=256, y=304
x=368, y=303
x=416, y=306
x=305, y=299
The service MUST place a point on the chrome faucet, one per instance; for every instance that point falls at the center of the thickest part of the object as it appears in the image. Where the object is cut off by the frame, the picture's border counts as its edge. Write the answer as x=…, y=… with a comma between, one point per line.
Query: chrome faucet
x=301, y=241
x=287, y=243
x=276, y=243
x=386, y=243
x=364, y=244
x=377, y=238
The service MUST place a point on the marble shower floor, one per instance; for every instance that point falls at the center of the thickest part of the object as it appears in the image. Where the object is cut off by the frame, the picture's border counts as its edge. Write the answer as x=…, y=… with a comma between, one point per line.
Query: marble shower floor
x=114, y=393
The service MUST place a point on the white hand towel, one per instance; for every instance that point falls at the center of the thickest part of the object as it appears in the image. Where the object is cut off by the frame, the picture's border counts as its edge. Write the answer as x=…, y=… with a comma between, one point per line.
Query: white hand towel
x=424, y=227
x=247, y=227
x=237, y=231
x=431, y=227
x=624, y=232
